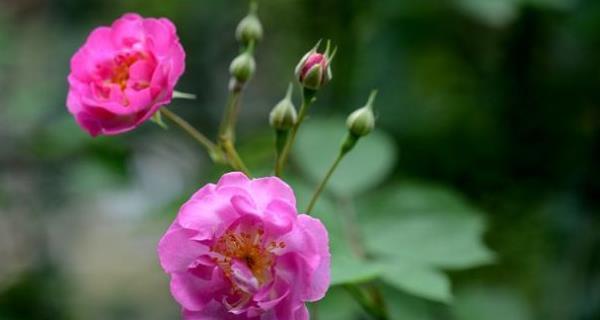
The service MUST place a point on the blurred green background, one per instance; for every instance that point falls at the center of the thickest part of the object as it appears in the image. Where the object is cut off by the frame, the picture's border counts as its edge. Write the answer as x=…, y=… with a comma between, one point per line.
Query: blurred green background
x=484, y=168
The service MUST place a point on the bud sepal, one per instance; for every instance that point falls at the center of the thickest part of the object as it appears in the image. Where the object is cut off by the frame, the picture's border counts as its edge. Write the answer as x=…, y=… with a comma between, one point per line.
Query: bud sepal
x=362, y=121
x=242, y=67
x=249, y=29
x=284, y=115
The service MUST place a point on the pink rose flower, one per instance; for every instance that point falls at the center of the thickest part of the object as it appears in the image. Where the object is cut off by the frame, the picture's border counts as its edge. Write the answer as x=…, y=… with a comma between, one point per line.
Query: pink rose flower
x=124, y=73
x=240, y=250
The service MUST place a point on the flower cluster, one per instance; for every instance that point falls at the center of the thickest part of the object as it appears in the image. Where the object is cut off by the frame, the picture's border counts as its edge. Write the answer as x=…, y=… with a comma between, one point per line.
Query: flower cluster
x=239, y=250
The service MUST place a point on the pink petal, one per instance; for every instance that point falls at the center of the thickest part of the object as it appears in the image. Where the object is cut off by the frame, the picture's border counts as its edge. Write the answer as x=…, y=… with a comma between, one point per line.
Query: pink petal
x=209, y=215
x=204, y=191
x=177, y=251
x=301, y=313
x=321, y=278
x=279, y=217
x=128, y=32
x=194, y=293
x=236, y=179
x=264, y=190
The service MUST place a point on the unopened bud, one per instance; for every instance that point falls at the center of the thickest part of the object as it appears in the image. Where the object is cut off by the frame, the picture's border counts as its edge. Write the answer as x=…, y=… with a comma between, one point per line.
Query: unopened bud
x=362, y=121
x=249, y=29
x=284, y=116
x=242, y=67
x=314, y=70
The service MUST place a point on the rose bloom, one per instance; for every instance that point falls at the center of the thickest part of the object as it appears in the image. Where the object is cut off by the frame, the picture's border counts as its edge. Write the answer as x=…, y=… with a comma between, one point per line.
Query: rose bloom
x=124, y=73
x=240, y=250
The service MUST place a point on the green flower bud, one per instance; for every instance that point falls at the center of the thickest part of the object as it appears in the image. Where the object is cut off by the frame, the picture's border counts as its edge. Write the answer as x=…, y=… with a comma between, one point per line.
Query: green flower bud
x=242, y=67
x=284, y=116
x=362, y=121
x=249, y=29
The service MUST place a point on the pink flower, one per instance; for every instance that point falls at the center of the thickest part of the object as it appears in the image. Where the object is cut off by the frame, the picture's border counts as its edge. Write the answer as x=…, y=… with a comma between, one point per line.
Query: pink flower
x=240, y=250
x=124, y=73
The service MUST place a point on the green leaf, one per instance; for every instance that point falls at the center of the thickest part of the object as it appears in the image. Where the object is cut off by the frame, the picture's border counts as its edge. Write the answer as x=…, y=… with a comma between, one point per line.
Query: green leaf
x=491, y=304
x=366, y=166
x=421, y=281
x=425, y=226
x=349, y=269
x=337, y=305
x=413, y=231
x=402, y=306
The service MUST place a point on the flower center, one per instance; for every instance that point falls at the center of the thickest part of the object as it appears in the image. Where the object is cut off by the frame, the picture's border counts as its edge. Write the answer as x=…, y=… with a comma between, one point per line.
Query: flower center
x=246, y=247
x=120, y=70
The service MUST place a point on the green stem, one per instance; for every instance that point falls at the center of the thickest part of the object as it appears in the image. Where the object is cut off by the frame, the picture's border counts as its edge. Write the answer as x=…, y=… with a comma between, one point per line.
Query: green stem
x=323, y=183
x=234, y=158
x=227, y=127
x=347, y=145
x=212, y=149
x=370, y=308
x=308, y=98
x=281, y=137
x=227, y=130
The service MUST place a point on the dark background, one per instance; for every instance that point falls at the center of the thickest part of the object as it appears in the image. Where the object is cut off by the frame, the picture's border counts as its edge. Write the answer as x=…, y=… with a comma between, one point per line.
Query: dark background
x=496, y=99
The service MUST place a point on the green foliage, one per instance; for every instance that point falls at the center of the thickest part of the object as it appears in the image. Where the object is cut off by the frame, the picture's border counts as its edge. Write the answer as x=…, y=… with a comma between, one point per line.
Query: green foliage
x=475, y=303
x=371, y=162
x=415, y=231
x=419, y=280
x=411, y=233
x=338, y=305
x=424, y=225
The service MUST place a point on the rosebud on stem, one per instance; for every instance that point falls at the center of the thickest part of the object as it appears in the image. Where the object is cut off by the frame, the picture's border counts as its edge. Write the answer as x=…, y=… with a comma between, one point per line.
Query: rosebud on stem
x=360, y=123
x=249, y=29
x=314, y=69
x=242, y=67
x=282, y=118
x=308, y=98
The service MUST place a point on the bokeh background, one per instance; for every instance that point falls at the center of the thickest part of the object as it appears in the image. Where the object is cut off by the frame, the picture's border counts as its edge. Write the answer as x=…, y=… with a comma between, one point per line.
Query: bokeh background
x=494, y=102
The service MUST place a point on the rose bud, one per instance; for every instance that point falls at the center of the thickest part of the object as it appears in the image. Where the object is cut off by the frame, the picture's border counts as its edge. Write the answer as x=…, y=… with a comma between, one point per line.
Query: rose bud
x=242, y=67
x=362, y=121
x=249, y=29
x=124, y=73
x=284, y=116
x=314, y=71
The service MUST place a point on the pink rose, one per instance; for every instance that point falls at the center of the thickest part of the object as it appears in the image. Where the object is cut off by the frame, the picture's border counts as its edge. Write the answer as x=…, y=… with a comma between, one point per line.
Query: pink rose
x=240, y=250
x=124, y=73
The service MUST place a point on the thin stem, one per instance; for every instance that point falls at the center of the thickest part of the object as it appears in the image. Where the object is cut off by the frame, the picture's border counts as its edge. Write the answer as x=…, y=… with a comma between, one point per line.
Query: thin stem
x=364, y=302
x=308, y=98
x=227, y=127
x=234, y=158
x=212, y=149
x=281, y=137
x=323, y=183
